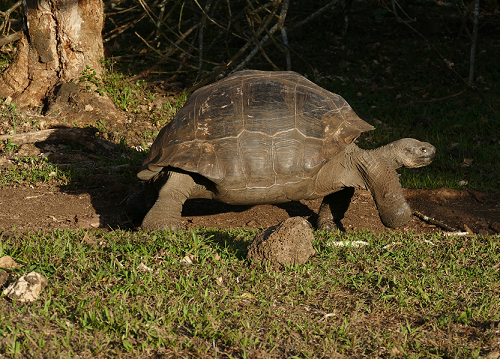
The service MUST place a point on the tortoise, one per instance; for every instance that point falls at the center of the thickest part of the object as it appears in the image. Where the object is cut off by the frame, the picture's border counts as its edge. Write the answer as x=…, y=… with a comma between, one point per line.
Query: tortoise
x=260, y=137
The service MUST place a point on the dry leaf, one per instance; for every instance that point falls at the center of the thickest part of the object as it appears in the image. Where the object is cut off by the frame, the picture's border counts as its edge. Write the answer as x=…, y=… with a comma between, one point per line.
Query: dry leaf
x=144, y=268
x=246, y=296
x=395, y=351
x=188, y=259
x=493, y=355
x=467, y=162
x=467, y=228
x=390, y=245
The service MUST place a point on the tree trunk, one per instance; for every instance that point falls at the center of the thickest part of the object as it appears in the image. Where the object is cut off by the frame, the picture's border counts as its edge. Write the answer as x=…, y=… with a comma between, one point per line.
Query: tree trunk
x=60, y=38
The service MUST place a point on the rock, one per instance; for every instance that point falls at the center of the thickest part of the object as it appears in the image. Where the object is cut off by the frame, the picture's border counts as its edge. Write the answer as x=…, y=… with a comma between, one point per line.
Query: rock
x=496, y=226
x=27, y=288
x=288, y=243
x=8, y=262
x=483, y=232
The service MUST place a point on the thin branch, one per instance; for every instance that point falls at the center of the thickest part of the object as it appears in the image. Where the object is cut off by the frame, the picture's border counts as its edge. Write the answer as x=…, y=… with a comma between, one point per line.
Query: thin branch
x=11, y=9
x=284, y=36
x=475, y=20
x=277, y=26
x=434, y=221
x=314, y=15
x=117, y=31
x=448, y=63
x=206, y=16
x=434, y=99
x=201, y=34
x=10, y=38
x=276, y=68
x=7, y=13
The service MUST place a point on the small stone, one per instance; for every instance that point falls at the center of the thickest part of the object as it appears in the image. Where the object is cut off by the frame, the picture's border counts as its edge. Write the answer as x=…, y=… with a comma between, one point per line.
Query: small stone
x=27, y=288
x=89, y=108
x=8, y=262
x=288, y=243
x=483, y=232
x=496, y=226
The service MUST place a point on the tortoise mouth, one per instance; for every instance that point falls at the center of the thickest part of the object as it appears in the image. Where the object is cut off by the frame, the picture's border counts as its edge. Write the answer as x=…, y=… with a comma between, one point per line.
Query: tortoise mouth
x=422, y=161
x=421, y=155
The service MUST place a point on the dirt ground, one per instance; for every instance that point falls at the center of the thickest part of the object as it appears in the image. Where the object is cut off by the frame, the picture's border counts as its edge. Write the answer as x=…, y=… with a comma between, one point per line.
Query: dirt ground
x=102, y=204
x=99, y=199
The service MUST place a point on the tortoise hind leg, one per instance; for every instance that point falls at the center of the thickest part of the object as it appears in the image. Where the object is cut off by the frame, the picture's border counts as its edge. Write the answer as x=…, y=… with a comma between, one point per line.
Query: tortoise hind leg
x=174, y=188
x=333, y=208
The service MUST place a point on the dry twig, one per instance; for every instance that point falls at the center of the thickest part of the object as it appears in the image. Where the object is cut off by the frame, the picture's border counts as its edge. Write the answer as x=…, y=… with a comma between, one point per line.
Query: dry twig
x=434, y=221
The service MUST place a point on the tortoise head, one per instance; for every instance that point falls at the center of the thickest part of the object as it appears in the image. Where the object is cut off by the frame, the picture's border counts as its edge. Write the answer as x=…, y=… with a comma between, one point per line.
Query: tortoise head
x=409, y=152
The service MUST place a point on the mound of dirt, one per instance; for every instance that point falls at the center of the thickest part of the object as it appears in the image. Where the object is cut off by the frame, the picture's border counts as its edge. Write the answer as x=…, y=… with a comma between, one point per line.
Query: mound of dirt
x=289, y=243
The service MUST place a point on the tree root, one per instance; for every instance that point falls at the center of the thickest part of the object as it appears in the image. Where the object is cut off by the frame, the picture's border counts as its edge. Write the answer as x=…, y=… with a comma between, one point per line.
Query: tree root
x=83, y=136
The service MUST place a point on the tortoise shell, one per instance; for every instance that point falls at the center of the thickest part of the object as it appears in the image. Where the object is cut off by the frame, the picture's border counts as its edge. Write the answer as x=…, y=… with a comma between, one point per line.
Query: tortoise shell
x=255, y=129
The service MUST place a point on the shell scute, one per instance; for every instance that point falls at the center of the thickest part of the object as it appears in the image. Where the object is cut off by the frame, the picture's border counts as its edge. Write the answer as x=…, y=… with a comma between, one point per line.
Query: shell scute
x=256, y=129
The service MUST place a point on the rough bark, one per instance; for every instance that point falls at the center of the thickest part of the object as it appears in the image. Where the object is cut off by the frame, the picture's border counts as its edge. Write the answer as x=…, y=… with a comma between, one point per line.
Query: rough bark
x=60, y=38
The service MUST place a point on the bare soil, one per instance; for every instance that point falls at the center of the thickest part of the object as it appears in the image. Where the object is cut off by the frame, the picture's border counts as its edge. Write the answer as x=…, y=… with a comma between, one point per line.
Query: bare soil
x=101, y=203
x=99, y=199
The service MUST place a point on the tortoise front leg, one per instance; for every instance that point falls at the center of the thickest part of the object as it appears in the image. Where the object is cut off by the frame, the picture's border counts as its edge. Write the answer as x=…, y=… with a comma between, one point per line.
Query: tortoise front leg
x=383, y=182
x=333, y=209
x=174, y=189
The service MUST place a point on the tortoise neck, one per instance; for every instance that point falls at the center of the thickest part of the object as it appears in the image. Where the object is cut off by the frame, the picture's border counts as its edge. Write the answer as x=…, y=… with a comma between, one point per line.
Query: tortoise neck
x=389, y=153
x=340, y=172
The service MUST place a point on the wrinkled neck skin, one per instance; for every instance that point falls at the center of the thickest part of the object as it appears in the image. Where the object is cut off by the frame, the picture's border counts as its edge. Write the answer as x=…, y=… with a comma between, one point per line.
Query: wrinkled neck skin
x=340, y=172
x=390, y=153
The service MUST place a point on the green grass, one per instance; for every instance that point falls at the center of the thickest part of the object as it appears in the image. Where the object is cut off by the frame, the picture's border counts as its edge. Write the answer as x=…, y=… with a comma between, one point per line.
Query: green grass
x=424, y=296
x=34, y=171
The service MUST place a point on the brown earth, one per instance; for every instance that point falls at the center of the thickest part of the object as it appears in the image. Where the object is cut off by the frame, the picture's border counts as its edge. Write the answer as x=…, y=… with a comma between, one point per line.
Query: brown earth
x=99, y=200
x=101, y=204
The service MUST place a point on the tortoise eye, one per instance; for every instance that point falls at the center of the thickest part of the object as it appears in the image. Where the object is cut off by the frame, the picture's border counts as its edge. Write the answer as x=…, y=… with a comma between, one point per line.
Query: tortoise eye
x=424, y=150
